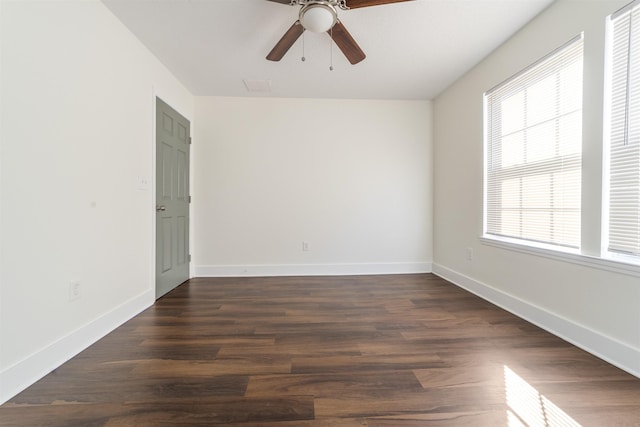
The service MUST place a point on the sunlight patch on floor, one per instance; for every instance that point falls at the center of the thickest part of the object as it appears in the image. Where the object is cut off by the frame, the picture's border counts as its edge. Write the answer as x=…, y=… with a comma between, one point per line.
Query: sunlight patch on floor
x=529, y=408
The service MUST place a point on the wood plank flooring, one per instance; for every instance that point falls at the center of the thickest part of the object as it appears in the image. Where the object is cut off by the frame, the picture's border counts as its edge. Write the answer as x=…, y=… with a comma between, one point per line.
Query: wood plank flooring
x=377, y=351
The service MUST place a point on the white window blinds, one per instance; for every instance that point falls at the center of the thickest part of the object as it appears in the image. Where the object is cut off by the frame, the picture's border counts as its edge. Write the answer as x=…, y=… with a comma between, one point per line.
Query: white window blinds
x=534, y=151
x=624, y=141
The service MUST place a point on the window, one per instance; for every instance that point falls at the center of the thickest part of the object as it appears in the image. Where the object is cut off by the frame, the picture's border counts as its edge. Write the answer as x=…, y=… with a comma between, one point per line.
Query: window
x=623, y=151
x=533, y=152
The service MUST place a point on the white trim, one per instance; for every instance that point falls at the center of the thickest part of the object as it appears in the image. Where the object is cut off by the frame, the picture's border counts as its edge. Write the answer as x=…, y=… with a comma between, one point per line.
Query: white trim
x=18, y=377
x=152, y=207
x=624, y=9
x=609, y=349
x=618, y=265
x=311, y=269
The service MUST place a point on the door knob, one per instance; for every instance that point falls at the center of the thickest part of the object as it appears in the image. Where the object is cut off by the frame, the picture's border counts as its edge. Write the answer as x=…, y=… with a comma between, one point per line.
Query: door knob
x=161, y=208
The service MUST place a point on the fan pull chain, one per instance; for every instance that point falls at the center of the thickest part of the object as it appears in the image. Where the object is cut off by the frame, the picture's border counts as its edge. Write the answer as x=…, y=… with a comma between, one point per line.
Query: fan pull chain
x=331, y=50
x=303, y=58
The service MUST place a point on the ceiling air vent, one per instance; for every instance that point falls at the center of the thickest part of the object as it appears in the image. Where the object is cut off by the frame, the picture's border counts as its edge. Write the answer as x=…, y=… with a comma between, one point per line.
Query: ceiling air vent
x=257, y=85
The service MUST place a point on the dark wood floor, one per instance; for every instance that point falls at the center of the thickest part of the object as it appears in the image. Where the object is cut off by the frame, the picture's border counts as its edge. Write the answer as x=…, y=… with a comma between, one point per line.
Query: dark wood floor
x=409, y=350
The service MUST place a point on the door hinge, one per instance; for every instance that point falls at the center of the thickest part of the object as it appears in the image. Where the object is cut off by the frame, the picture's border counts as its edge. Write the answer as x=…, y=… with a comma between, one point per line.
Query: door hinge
x=189, y=140
x=189, y=257
x=189, y=199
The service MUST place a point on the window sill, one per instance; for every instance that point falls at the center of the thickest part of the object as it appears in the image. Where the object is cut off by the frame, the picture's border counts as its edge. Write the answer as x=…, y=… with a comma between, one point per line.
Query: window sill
x=623, y=266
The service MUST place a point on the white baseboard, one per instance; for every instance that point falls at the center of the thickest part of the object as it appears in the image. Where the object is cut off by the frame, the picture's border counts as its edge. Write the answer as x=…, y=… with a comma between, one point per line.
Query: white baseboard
x=615, y=352
x=311, y=269
x=18, y=377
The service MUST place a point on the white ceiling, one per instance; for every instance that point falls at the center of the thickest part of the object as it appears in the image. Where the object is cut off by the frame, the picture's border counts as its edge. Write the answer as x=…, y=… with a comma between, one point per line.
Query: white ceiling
x=415, y=49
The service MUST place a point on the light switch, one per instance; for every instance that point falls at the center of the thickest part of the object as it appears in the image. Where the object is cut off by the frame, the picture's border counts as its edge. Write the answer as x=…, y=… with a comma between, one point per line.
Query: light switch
x=143, y=183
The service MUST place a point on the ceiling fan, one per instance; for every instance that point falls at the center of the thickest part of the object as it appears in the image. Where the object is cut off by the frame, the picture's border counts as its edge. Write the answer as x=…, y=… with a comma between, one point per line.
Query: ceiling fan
x=321, y=16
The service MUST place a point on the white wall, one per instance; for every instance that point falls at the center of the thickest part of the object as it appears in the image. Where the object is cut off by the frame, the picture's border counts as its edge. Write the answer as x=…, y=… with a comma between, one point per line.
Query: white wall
x=77, y=131
x=352, y=178
x=584, y=301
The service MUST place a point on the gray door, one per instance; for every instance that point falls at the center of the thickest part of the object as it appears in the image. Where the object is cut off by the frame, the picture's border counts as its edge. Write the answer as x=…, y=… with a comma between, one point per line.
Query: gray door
x=172, y=198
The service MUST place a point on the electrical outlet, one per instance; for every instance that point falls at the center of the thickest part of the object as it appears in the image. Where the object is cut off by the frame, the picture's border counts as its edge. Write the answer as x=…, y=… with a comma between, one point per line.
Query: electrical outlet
x=469, y=254
x=74, y=291
x=305, y=246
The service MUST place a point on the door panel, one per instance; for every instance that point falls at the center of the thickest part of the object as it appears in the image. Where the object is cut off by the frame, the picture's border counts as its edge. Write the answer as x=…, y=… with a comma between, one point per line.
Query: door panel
x=166, y=156
x=182, y=241
x=165, y=245
x=183, y=177
x=172, y=198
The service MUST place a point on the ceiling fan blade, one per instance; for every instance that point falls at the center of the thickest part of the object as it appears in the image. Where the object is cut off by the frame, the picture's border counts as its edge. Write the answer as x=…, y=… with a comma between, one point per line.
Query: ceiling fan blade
x=281, y=1
x=346, y=43
x=354, y=4
x=285, y=43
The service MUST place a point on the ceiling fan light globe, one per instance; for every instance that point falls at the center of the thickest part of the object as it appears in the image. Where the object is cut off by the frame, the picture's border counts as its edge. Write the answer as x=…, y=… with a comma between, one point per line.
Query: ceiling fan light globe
x=318, y=18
